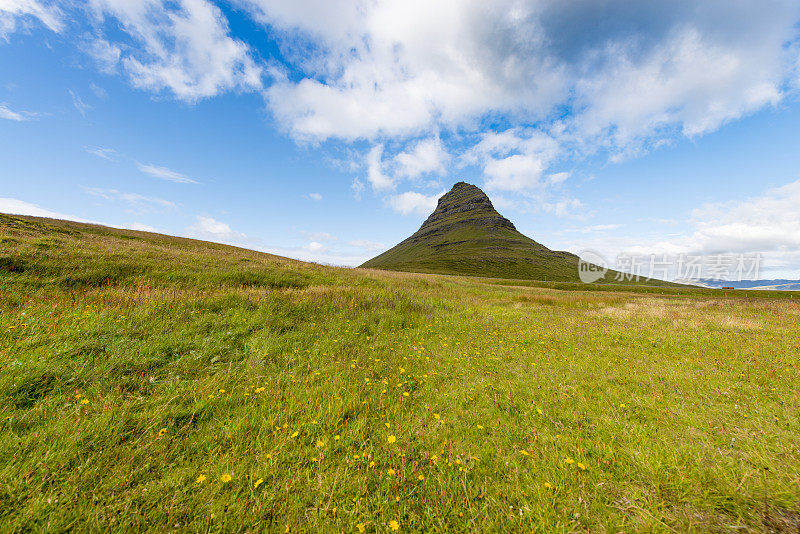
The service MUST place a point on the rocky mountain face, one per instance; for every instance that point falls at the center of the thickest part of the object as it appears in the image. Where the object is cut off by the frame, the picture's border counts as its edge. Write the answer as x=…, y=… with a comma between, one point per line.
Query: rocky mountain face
x=466, y=235
x=463, y=205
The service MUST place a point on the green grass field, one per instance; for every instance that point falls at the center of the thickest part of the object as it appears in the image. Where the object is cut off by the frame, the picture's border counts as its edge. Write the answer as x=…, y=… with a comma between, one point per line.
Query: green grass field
x=157, y=383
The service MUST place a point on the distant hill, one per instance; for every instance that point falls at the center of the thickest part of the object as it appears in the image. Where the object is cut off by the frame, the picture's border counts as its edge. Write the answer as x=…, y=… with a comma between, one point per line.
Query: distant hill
x=465, y=235
x=780, y=284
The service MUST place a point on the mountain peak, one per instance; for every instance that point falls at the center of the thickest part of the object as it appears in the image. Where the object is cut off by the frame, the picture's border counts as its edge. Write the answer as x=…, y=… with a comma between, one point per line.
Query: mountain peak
x=464, y=204
x=465, y=235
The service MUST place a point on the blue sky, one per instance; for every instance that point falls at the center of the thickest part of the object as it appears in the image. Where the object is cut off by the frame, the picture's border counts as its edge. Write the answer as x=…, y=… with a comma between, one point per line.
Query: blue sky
x=327, y=130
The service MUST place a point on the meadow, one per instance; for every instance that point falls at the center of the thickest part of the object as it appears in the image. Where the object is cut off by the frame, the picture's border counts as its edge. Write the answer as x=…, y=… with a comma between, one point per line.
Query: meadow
x=158, y=383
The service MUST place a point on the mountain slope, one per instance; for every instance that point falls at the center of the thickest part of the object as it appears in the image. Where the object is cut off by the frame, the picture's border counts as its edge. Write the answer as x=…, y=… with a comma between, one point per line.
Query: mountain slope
x=465, y=235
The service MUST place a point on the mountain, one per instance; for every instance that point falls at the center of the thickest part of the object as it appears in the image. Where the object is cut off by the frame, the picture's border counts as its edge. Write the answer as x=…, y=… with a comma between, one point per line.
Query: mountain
x=774, y=285
x=465, y=235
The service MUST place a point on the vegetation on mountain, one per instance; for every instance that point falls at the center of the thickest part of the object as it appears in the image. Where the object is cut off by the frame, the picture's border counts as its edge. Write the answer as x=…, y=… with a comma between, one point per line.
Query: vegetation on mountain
x=465, y=235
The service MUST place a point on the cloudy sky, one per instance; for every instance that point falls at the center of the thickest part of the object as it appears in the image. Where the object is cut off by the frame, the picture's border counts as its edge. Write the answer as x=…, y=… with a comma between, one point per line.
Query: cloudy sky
x=326, y=130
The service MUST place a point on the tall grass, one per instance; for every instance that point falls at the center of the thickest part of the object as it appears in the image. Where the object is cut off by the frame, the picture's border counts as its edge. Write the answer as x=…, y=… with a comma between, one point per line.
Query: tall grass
x=155, y=383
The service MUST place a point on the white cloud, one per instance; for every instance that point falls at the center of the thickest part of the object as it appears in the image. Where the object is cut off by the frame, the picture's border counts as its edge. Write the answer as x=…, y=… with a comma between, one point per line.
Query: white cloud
x=79, y=104
x=513, y=172
x=318, y=254
x=106, y=55
x=358, y=187
x=371, y=246
x=379, y=69
x=98, y=91
x=557, y=178
x=767, y=224
x=18, y=116
x=183, y=47
x=689, y=81
x=413, y=202
x=426, y=156
x=140, y=227
x=562, y=207
x=375, y=173
x=622, y=76
x=13, y=12
x=516, y=159
x=163, y=173
x=100, y=152
x=210, y=229
x=20, y=207
x=315, y=196
x=596, y=228
x=318, y=236
x=133, y=199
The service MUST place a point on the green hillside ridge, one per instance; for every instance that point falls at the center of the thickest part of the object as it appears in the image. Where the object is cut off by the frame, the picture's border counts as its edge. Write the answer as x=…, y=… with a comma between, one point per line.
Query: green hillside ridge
x=155, y=383
x=465, y=235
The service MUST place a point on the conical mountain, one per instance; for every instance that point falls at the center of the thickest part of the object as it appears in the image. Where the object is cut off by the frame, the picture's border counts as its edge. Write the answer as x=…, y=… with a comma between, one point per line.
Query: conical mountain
x=465, y=235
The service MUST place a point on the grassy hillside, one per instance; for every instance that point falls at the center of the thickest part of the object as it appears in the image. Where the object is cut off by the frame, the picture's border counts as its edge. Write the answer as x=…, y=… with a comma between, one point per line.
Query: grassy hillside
x=466, y=236
x=150, y=382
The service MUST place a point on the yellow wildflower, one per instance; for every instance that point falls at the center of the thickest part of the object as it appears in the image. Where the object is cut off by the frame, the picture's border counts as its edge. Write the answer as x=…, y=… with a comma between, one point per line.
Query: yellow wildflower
x=225, y=478
x=200, y=479
x=258, y=482
x=394, y=525
x=360, y=527
x=392, y=439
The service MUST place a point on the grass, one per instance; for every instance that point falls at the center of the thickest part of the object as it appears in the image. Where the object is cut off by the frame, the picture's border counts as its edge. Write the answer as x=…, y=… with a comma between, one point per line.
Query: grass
x=157, y=383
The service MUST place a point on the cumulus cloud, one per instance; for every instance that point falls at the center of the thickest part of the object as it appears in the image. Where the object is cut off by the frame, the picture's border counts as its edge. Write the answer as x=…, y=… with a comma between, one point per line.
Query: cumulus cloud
x=140, y=227
x=426, y=156
x=163, y=173
x=210, y=229
x=315, y=196
x=375, y=170
x=562, y=207
x=516, y=159
x=628, y=69
x=413, y=202
x=767, y=225
x=183, y=47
